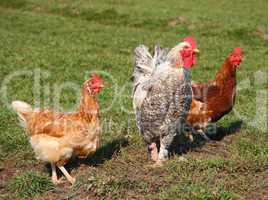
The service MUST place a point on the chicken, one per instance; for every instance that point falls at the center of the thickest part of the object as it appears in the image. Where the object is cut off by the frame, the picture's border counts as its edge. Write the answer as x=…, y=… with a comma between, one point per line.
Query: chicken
x=56, y=136
x=161, y=85
x=211, y=101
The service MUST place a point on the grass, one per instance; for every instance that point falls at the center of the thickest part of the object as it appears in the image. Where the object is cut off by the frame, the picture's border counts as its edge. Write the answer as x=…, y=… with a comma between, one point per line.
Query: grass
x=63, y=41
x=29, y=184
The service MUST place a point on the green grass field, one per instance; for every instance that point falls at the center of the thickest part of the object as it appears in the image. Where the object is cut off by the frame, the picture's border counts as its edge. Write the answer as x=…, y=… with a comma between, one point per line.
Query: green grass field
x=61, y=42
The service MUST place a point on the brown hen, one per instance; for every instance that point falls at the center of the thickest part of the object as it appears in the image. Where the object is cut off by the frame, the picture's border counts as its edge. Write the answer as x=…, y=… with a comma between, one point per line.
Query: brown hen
x=211, y=101
x=56, y=136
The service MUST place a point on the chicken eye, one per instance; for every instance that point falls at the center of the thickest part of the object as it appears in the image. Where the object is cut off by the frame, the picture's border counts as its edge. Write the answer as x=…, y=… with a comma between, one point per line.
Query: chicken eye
x=186, y=47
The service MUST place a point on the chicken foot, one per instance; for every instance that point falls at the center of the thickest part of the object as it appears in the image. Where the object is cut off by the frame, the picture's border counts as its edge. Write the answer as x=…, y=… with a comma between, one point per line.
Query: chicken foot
x=67, y=175
x=54, y=177
x=162, y=155
x=203, y=134
x=153, y=151
x=200, y=132
x=160, y=160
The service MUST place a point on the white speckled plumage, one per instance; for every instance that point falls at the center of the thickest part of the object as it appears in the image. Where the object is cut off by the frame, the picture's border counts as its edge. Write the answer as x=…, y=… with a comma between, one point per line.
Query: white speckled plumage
x=161, y=94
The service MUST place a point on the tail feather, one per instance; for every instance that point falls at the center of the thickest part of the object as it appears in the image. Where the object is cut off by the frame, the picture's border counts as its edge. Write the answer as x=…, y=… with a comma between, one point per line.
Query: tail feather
x=23, y=109
x=143, y=59
x=145, y=66
x=160, y=54
x=145, y=63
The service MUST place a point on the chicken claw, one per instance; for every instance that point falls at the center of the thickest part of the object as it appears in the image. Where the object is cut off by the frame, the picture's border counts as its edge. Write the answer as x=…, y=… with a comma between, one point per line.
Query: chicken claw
x=67, y=175
x=190, y=137
x=154, y=152
x=54, y=177
x=203, y=134
x=159, y=163
x=56, y=181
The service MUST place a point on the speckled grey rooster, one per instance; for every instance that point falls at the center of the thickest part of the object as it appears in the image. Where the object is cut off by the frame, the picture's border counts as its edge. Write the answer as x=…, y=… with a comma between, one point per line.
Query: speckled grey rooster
x=162, y=94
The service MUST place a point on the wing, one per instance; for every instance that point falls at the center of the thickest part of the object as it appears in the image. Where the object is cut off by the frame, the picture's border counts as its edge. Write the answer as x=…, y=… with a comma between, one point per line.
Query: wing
x=180, y=95
x=204, y=91
x=53, y=124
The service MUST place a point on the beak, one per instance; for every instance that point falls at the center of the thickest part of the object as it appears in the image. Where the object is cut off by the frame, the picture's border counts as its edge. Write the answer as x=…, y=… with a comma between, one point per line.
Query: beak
x=196, y=50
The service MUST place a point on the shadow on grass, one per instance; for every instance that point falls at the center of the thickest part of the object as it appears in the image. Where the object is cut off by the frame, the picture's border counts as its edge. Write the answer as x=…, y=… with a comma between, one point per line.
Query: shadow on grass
x=182, y=144
x=104, y=153
x=224, y=131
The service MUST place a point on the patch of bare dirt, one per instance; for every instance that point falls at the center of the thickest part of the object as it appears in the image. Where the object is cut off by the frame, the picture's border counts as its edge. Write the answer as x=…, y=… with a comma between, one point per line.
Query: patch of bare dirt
x=177, y=20
x=259, y=194
x=261, y=32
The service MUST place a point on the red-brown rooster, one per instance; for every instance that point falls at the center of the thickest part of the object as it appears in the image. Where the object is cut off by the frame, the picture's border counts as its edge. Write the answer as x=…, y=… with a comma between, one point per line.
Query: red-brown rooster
x=211, y=101
x=56, y=136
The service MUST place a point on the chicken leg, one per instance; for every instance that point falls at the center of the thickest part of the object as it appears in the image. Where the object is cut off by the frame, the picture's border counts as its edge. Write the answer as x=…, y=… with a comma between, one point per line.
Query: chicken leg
x=199, y=131
x=54, y=176
x=203, y=135
x=67, y=175
x=153, y=151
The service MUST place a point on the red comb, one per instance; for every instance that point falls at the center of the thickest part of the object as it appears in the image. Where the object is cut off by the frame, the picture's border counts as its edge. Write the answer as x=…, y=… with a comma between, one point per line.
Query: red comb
x=95, y=78
x=94, y=85
x=237, y=51
x=191, y=41
x=236, y=57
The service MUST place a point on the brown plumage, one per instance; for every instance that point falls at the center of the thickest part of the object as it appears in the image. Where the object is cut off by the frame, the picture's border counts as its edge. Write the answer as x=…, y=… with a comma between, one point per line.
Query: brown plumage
x=56, y=136
x=211, y=101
